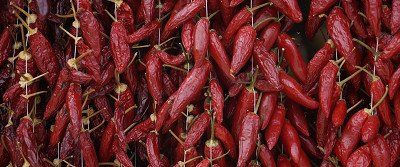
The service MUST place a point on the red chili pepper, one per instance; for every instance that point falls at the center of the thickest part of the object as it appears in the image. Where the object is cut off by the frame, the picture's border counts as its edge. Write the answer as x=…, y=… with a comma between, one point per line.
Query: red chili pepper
x=274, y=127
x=313, y=24
x=250, y=125
x=12, y=92
x=227, y=11
x=4, y=156
x=154, y=78
x=163, y=113
x=283, y=161
x=121, y=155
x=380, y=151
x=396, y=104
x=187, y=35
x=331, y=138
x=327, y=81
x=125, y=101
x=263, y=18
x=89, y=62
x=268, y=68
x=213, y=150
x=190, y=88
x=319, y=60
x=27, y=142
x=223, y=135
x=270, y=34
x=58, y=96
x=391, y=49
x=152, y=147
x=373, y=11
x=267, y=107
x=310, y=147
x=294, y=91
x=339, y=30
x=148, y=10
x=351, y=135
x=394, y=22
x=131, y=77
x=351, y=9
x=60, y=126
x=197, y=130
x=146, y=31
x=119, y=129
x=9, y=138
x=184, y=14
x=90, y=31
x=88, y=150
x=106, y=142
x=242, y=48
x=339, y=113
x=318, y=7
x=244, y=104
x=360, y=157
x=219, y=55
x=377, y=91
x=217, y=100
x=201, y=37
x=266, y=157
x=119, y=46
x=290, y=8
x=370, y=128
x=102, y=104
x=139, y=131
x=5, y=44
x=291, y=142
x=293, y=57
x=74, y=107
x=125, y=15
x=297, y=118
x=67, y=145
x=386, y=17
x=394, y=83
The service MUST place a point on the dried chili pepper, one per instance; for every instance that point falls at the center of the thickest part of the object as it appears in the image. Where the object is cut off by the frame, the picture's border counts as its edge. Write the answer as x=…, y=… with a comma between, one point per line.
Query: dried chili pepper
x=247, y=137
x=380, y=151
x=217, y=100
x=242, y=48
x=119, y=46
x=74, y=107
x=28, y=142
x=320, y=6
x=370, y=128
x=201, y=35
x=326, y=87
x=88, y=150
x=290, y=8
x=274, y=127
x=197, y=129
x=223, y=135
x=373, y=11
x=360, y=157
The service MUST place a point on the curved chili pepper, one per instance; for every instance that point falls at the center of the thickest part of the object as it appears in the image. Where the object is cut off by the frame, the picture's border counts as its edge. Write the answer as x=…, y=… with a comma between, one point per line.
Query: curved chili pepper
x=90, y=31
x=339, y=113
x=152, y=147
x=263, y=17
x=148, y=10
x=242, y=48
x=58, y=96
x=119, y=129
x=212, y=150
x=247, y=138
x=88, y=150
x=384, y=69
x=187, y=12
x=351, y=9
x=270, y=34
x=217, y=100
x=125, y=101
x=190, y=88
x=102, y=104
x=377, y=91
x=291, y=142
x=310, y=147
x=60, y=126
x=320, y=6
x=313, y=23
x=187, y=35
x=293, y=57
x=327, y=81
x=391, y=49
x=394, y=83
x=294, y=91
x=67, y=145
x=244, y=104
x=360, y=157
x=197, y=130
x=120, y=154
x=90, y=63
x=268, y=68
x=154, y=78
x=394, y=21
x=139, y=131
x=266, y=157
x=131, y=77
x=27, y=142
x=12, y=92
x=74, y=107
x=339, y=30
x=125, y=15
x=373, y=11
x=201, y=37
x=290, y=8
x=9, y=139
x=223, y=135
x=297, y=118
x=386, y=16
x=274, y=127
x=380, y=151
x=351, y=135
x=319, y=60
x=219, y=55
x=146, y=31
x=119, y=46
x=370, y=128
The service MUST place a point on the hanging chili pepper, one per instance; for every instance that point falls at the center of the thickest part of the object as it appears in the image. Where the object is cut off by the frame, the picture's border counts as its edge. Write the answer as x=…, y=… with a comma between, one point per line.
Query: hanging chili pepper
x=373, y=11
x=339, y=113
x=187, y=35
x=391, y=49
x=119, y=46
x=121, y=155
x=283, y=161
x=152, y=147
x=247, y=137
x=394, y=22
x=223, y=135
x=5, y=44
x=266, y=157
x=219, y=55
x=290, y=8
x=270, y=34
x=267, y=107
x=58, y=96
x=293, y=57
x=326, y=87
x=319, y=60
x=197, y=130
x=394, y=83
x=9, y=138
x=351, y=9
x=154, y=78
x=313, y=24
x=139, y=131
x=90, y=31
x=318, y=7
x=297, y=118
x=60, y=126
x=217, y=100
x=244, y=105
x=293, y=90
x=268, y=68
x=190, y=88
x=360, y=157
x=380, y=151
x=88, y=150
x=274, y=127
x=291, y=142
x=242, y=48
x=201, y=35
x=27, y=142
x=146, y=31
x=370, y=128
x=74, y=107
x=214, y=150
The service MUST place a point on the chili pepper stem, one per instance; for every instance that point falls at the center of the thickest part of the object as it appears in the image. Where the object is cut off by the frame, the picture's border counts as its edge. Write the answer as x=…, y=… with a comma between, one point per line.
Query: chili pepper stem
x=363, y=15
x=387, y=134
x=342, y=82
x=76, y=39
x=258, y=103
x=111, y=16
x=264, y=20
x=130, y=127
x=212, y=15
x=92, y=115
x=374, y=77
x=65, y=16
x=221, y=156
x=174, y=67
x=354, y=106
x=107, y=164
x=33, y=94
x=181, y=164
x=31, y=17
x=176, y=137
x=96, y=127
x=140, y=46
x=258, y=7
x=30, y=30
x=381, y=100
x=365, y=46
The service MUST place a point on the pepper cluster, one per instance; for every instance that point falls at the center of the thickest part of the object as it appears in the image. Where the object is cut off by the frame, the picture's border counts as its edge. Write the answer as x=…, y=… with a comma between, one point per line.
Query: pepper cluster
x=199, y=83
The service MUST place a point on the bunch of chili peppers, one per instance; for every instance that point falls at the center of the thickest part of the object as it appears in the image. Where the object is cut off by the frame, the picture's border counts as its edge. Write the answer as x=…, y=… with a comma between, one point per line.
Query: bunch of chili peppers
x=199, y=83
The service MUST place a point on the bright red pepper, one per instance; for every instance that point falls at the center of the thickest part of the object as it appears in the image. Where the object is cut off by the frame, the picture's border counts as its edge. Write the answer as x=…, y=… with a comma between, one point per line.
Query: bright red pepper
x=360, y=157
x=274, y=127
x=312, y=25
x=201, y=36
x=373, y=11
x=247, y=138
x=154, y=78
x=290, y=8
x=327, y=81
x=394, y=83
x=291, y=142
x=5, y=44
x=318, y=7
x=90, y=31
x=380, y=151
x=74, y=107
x=394, y=22
x=319, y=60
x=223, y=135
x=119, y=46
x=146, y=31
x=351, y=9
x=27, y=141
x=370, y=128
x=339, y=113
x=297, y=118
x=242, y=48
